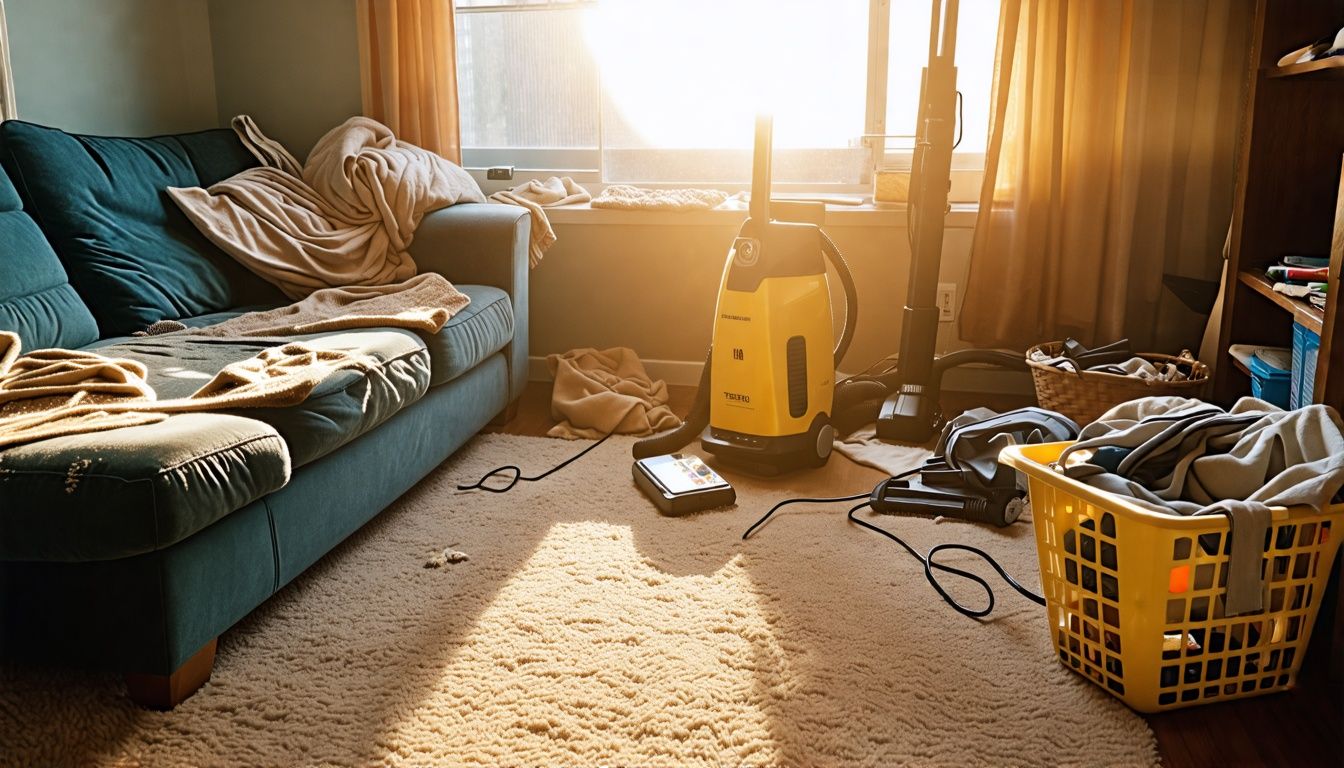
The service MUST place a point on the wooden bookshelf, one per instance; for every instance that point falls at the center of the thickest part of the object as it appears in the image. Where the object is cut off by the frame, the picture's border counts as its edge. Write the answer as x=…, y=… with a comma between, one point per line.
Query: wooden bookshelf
x=1331, y=68
x=1289, y=200
x=1301, y=310
x=1289, y=196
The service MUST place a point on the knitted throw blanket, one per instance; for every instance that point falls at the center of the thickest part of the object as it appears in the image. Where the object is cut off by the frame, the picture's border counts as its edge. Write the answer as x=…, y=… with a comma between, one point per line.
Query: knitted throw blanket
x=55, y=392
x=626, y=197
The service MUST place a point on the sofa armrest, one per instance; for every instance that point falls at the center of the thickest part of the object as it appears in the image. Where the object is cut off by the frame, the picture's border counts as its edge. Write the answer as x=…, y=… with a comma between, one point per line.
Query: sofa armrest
x=483, y=244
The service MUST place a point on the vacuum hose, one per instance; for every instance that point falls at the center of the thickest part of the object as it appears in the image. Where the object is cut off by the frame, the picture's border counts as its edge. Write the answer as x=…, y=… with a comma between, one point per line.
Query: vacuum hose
x=698, y=418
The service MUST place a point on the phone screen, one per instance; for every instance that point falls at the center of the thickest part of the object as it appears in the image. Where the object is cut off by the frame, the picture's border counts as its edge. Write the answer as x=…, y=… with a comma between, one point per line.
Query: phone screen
x=683, y=473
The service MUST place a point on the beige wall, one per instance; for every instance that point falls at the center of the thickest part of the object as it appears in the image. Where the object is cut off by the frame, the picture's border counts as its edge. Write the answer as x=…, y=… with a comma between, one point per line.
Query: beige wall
x=291, y=64
x=130, y=67
x=653, y=288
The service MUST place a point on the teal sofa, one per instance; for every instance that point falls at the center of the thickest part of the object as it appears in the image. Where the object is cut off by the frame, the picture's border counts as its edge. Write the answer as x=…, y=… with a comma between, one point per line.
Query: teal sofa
x=134, y=549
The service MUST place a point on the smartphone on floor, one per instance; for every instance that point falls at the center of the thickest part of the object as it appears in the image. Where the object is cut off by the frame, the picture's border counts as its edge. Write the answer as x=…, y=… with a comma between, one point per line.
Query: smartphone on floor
x=681, y=483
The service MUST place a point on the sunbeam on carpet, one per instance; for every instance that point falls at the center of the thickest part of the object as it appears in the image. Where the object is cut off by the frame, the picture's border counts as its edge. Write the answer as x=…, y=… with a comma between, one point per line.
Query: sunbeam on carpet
x=586, y=629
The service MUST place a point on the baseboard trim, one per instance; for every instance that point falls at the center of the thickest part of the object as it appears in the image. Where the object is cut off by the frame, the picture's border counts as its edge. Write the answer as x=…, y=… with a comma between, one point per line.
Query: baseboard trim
x=686, y=373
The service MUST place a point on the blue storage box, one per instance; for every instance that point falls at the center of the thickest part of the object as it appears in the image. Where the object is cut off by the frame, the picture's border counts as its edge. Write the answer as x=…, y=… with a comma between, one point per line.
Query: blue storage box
x=1306, y=348
x=1270, y=383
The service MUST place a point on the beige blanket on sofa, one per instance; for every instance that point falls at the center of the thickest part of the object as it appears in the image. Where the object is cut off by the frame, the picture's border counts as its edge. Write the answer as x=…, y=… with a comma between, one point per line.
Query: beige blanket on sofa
x=423, y=303
x=348, y=220
x=598, y=392
x=55, y=392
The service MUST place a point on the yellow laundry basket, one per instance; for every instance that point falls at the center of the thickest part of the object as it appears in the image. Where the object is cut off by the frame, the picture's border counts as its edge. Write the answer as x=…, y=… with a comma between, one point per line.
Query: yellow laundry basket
x=1135, y=598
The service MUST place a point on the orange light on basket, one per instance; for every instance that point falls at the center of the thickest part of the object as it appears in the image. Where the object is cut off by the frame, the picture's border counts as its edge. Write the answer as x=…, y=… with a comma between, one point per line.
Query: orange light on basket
x=1179, y=581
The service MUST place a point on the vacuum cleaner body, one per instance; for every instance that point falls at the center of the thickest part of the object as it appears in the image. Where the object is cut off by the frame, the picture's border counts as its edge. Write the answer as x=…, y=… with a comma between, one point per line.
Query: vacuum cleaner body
x=767, y=390
x=772, y=372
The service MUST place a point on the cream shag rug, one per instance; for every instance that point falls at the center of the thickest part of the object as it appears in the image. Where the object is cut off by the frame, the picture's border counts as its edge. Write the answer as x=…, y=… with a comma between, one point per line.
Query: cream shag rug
x=585, y=629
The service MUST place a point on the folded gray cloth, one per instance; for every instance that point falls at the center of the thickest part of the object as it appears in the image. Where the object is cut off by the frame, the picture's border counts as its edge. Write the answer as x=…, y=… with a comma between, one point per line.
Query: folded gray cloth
x=1183, y=456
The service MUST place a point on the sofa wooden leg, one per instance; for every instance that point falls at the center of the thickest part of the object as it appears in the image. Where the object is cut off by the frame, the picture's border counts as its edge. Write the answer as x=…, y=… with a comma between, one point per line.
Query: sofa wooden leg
x=507, y=415
x=167, y=691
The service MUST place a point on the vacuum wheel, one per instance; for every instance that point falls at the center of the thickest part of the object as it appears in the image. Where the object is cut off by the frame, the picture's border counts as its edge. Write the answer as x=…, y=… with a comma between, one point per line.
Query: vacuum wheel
x=823, y=440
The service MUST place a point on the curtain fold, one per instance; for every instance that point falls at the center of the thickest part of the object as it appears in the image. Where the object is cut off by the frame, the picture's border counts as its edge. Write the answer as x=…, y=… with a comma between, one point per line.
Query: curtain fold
x=408, y=71
x=1110, y=161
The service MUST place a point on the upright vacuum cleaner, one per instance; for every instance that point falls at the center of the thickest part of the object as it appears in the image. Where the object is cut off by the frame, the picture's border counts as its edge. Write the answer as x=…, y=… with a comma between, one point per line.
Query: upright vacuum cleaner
x=768, y=401
x=904, y=400
x=766, y=393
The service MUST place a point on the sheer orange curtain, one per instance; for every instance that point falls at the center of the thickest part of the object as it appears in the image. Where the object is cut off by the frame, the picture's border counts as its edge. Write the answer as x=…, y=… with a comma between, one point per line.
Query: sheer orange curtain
x=1110, y=161
x=409, y=71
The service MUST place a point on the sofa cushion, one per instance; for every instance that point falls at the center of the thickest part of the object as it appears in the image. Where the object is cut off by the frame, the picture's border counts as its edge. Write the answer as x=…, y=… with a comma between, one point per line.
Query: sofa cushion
x=36, y=300
x=483, y=328
x=472, y=335
x=130, y=253
x=344, y=406
x=118, y=493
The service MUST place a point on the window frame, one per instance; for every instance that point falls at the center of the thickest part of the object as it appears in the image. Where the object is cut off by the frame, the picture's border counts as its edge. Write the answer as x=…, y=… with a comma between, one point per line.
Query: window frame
x=8, y=109
x=586, y=164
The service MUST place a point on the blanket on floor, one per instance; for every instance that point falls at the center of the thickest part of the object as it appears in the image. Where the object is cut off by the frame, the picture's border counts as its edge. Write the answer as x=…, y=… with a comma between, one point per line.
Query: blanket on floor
x=347, y=220
x=598, y=392
x=55, y=392
x=536, y=196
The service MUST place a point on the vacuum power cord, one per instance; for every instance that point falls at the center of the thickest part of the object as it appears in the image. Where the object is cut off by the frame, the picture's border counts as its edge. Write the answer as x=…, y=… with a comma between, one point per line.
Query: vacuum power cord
x=787, y=502
x=518, y=473
x=930, y=565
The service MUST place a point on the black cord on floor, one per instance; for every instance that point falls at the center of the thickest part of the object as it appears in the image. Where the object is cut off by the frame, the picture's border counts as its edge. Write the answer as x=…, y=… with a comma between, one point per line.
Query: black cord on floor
x=786, y=502
x=831, y=500
x=518, y=473
x=930, y=566
x=927, y=560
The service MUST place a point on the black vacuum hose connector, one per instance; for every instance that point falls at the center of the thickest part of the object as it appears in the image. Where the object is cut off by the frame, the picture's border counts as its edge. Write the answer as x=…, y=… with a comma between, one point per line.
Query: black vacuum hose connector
x=695, y=423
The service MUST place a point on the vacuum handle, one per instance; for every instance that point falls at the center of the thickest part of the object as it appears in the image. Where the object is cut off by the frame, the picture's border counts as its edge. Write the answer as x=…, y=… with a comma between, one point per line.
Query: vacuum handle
x=760, y=175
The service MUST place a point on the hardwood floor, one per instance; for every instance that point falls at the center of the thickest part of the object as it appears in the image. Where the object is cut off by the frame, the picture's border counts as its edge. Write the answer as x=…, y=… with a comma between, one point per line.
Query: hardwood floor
x=1304, y=727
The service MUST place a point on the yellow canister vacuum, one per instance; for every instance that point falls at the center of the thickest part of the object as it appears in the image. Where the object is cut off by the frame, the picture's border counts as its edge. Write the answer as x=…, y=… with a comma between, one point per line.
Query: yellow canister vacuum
x=766, y=394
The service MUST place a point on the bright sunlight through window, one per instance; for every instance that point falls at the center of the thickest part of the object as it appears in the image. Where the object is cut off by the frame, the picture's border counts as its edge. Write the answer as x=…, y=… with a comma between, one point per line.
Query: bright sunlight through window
x=666, y=90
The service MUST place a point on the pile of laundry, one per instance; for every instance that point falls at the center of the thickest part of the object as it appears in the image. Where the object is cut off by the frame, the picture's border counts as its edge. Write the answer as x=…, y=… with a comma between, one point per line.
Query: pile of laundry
x=1183, y=456
x=1115, y=358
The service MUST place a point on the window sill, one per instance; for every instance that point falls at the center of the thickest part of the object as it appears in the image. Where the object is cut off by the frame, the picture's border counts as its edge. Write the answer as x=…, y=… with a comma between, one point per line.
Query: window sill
x=962, y=216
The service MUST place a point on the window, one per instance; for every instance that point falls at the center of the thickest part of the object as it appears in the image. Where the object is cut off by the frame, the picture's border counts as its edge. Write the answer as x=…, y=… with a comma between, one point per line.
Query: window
x=664, y=91
x=7, y=108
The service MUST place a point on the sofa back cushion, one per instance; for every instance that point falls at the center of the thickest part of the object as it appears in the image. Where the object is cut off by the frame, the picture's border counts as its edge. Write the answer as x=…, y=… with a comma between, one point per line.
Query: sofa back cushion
x=130, y=253
x=36, y=300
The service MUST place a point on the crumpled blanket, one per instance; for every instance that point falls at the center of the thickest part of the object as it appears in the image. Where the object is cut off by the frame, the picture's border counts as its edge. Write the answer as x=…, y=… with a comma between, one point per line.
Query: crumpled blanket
x=1183, y=456
x=55, y=392
x=598, y=392
x=347, y=220
x=627, y=197
x=536, y=196
x=424, y=303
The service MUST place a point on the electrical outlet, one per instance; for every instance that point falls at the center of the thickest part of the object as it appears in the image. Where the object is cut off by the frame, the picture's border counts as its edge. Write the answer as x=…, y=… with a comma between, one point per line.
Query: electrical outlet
x=947, y=302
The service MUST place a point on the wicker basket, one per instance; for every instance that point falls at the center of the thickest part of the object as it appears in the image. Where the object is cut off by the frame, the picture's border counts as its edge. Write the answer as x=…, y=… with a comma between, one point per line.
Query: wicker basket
x=1083, y=396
